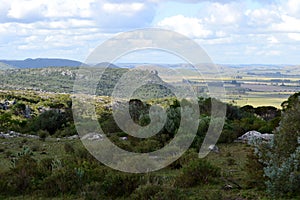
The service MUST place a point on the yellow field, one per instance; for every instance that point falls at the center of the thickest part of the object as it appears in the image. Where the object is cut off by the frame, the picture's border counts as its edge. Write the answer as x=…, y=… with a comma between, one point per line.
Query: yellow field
x=259, y=99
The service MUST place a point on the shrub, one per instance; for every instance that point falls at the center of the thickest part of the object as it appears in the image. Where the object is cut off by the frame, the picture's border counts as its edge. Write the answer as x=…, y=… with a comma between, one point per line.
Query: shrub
x=117, y=184
x=35, y=147
x=153, y=191
x=50, y=121
x=24, y=141
x=7, y=185
x=69, y=149
x=45, y=166
x=146, y=192
x=23, y=174
x=185, y=159
x=230, y=161
x=255, y=172
x=69, y=130
x=62, y=181
x=8, y=154
x=282, y=154
x=198, y=172
x=92, y=191
x=227, y=136
x=43, y=134
x=212, y=194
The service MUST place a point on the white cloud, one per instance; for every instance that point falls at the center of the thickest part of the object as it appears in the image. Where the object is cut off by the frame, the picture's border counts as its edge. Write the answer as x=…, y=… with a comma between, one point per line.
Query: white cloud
x=110, y=16
x=126, y=8
x=294, y=36
x=287, y=24
x=69, y=8
x=68, y=23
x=188, y=26
x=25, y=10
x=224, y=26
x=272, y=40
x=262, y=16
x=35, y=10
x=223, y=14
x=291, y=7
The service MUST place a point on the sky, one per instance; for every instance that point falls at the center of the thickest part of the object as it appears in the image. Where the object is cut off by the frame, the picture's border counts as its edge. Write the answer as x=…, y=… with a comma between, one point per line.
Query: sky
x=230, y=31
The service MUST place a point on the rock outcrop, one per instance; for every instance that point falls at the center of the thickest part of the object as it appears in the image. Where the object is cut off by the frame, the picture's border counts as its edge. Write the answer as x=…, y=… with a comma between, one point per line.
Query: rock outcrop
x=250, y=135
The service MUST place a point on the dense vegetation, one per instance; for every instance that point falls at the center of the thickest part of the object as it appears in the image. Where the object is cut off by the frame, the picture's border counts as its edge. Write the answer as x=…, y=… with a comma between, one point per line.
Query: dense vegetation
x=281, y=156
x=51, y=168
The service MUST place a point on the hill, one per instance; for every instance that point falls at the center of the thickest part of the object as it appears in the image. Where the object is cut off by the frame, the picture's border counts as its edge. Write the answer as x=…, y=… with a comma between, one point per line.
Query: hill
x=61, y=80
x=4, y=66
x=105, y=64
x=42, y=62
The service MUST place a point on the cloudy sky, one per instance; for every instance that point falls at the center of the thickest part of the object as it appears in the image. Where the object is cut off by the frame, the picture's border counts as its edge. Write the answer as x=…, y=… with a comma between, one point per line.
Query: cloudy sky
x=230, y=31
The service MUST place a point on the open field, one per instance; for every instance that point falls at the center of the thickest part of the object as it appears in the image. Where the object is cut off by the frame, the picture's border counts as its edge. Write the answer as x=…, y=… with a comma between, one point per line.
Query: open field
x=259, y=99
x=256, y=86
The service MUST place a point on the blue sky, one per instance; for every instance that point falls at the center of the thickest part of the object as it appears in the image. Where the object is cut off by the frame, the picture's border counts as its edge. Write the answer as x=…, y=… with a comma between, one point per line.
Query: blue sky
x=230, y=31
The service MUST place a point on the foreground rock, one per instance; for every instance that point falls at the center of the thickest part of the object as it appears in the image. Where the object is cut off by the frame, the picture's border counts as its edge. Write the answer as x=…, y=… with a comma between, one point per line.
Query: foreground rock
x=250, y=135
x=214, y=148
x=93, y=136
x=13, y=134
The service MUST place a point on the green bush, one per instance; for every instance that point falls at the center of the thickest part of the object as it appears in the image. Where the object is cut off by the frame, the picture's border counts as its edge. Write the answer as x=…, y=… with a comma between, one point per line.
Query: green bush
x=281, y=155
x=228, y=135
x=50, y=121
x=45, y=167
x=118, y=184
x=23, y=174
x=152, y=191
x=92, y=191
x=69, y=149
x=255, y=172
x=43, y=134
x=185, y=159
x=197, y=172
x=62, y=181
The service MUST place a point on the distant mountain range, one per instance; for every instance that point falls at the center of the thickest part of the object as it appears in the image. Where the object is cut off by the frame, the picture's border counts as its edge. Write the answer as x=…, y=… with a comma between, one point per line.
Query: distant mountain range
x=57, y=62
x=47, y=62
x=41, y=63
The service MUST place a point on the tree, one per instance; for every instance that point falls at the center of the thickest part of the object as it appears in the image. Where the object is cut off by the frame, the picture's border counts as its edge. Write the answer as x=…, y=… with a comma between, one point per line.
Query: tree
x=50, y=121
x=5, y=121
x=281, y=156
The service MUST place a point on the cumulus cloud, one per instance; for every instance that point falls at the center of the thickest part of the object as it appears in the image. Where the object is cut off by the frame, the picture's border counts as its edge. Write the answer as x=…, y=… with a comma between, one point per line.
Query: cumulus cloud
x=223, y=14
x=211, y=1
x=225, y=26
x=294, y=36
x=125, y=9
x=262, y=17
x=114, y=17
x=26, y=9
x=188, y=26
x=291, y=7
x=287, y=24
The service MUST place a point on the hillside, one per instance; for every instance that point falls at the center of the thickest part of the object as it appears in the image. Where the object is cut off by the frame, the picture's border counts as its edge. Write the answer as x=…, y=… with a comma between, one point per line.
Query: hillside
x=56, y=164
x=61, y=80
x=4, y=66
